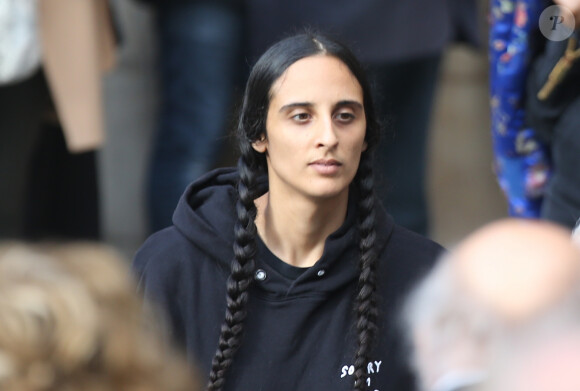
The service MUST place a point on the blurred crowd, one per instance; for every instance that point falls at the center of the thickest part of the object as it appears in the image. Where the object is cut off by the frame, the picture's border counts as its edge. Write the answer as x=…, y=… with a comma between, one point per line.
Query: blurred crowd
x=500, y=310
x=54, y=124
x=54, y=121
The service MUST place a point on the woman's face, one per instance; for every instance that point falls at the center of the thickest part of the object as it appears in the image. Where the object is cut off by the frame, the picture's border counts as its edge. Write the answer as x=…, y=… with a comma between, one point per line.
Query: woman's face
x=315, y=129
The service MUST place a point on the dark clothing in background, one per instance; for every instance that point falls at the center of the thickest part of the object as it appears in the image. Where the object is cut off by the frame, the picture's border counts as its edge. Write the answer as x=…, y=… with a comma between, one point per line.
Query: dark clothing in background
x=46, y=192
x=401, y=157
x=62, y=195
x=20, y=119
x=298, y=335
x=557, y=121
x=376, y=30
x=199, y=64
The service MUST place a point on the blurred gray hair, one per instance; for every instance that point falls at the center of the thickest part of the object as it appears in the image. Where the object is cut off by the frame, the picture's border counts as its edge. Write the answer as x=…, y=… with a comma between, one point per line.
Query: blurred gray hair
x=440, y=313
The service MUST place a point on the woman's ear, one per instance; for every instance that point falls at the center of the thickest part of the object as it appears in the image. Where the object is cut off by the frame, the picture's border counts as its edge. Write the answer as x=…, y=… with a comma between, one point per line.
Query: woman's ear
x=260, y=145
x=364, y=146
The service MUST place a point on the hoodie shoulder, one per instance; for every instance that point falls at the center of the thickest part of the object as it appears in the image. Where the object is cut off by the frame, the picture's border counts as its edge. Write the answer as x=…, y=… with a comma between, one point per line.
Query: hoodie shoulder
x=162, y=258
x=406, y=258
x=169, y=269
x=403, y=247
x=421, y=251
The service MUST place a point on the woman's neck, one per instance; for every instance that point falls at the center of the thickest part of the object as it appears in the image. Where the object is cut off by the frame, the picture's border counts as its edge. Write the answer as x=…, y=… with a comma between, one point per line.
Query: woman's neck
x=295, y=230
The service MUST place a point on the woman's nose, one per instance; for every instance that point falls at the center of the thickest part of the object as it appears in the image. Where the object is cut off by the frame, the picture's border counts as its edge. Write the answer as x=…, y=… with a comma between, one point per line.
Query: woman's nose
x=326, y=133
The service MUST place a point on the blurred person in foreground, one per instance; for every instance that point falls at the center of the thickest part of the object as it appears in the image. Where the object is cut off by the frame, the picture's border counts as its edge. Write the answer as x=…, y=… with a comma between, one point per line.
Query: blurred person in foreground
x=546, y=357
x=499, y=281
x=70, y=319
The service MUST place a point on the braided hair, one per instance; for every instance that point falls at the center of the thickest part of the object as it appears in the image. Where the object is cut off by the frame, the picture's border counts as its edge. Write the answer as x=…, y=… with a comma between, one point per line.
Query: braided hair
x=252, y=164
x=365, y=302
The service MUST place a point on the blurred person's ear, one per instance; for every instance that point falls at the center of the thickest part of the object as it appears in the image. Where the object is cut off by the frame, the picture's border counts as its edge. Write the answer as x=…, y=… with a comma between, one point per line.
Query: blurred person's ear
x=576, y=232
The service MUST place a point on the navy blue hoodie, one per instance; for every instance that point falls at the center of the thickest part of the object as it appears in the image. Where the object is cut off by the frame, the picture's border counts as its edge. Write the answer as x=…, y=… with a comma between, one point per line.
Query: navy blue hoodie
x=298, y=334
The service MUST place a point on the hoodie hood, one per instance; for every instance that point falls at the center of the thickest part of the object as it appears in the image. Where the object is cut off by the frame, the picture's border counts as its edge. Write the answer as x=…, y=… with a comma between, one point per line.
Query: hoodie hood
x=206, y=215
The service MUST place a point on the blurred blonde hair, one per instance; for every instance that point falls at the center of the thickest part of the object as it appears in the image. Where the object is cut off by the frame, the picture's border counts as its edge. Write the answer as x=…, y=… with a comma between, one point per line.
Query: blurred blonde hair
x=70, y=319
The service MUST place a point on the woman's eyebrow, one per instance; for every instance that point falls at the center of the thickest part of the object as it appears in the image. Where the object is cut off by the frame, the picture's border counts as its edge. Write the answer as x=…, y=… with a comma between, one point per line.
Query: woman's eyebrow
x=293, y=105
x=354, y=103
x=341, y=103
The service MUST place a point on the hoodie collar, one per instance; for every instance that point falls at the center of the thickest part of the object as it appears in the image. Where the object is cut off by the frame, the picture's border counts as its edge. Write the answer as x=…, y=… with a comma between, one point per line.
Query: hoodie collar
x=206, y=215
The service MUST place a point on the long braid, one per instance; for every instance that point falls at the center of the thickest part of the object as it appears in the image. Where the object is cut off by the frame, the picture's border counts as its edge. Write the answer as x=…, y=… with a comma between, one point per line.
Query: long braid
x=242, y=269
x=365, y=303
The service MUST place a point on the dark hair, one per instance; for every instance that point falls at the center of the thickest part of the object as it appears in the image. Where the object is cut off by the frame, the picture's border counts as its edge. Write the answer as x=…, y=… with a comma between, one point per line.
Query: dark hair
x=251, y=165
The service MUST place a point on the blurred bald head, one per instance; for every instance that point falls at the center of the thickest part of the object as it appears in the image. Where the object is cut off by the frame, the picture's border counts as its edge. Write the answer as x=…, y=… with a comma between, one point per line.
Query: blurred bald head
x=517, y=267
x=487, y=288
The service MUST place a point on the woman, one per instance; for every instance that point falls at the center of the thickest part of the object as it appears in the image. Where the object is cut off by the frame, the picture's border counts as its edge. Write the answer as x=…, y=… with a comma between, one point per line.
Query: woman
x=299, y=213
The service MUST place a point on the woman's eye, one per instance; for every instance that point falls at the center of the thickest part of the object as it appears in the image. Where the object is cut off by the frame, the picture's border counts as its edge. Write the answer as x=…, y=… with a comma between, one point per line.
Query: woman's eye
x=345, y=117
x=301, y=117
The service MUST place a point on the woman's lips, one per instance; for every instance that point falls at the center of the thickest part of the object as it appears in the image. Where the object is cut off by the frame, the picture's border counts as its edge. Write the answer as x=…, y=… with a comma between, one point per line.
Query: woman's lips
x=326, y=166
